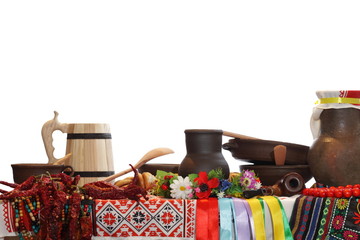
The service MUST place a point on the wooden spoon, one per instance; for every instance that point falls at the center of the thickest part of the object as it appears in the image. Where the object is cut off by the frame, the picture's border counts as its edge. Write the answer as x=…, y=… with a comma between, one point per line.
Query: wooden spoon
x=61, y=160
x=236, y=135
x=280, y=155
x=157, y=152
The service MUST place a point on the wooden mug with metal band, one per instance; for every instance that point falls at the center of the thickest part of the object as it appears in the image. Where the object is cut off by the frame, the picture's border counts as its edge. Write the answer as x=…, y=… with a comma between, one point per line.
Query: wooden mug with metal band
x=88, y=148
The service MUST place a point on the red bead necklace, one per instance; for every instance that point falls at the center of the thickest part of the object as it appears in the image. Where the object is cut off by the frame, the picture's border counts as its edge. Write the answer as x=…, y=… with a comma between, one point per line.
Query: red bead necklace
x=338, y=192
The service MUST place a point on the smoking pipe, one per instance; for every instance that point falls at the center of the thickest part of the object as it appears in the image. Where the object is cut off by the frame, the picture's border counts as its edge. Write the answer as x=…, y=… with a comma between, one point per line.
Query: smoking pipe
x=290, y=184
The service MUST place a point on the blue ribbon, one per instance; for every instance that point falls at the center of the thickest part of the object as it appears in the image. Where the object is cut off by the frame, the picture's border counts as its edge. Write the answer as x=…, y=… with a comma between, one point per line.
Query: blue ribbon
x=234, y=216
x=226, y=219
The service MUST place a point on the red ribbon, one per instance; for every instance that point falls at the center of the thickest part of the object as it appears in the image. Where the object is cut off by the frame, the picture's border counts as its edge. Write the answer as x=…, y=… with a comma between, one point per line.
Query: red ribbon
x=207, y=219
x=213, y=219
x=202, y=207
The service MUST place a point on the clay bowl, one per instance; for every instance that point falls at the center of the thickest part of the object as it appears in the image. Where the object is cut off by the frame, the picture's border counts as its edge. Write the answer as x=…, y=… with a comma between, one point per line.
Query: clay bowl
x=270, y=174
x=153, y=167
x=262, y=151
x=23, y=171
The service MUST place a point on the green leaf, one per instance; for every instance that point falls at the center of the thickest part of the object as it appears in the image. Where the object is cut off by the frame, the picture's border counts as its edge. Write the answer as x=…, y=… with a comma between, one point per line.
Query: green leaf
x=160, y=174
x=234, y=189
x=193, y=176
x=216, y=173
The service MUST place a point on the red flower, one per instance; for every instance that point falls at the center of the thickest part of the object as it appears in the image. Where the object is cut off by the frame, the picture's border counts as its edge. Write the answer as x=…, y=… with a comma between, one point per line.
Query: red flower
x=338, y=222
x=205, y=185
x=357, y=218
x=350, y=235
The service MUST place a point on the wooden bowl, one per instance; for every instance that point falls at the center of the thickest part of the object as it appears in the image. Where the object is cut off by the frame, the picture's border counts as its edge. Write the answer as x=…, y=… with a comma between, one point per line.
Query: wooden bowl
x=270, y=174
x=153, y=167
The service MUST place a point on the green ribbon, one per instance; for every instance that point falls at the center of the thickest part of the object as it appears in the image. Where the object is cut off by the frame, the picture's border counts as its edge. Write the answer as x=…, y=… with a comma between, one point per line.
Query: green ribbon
x=287, y=229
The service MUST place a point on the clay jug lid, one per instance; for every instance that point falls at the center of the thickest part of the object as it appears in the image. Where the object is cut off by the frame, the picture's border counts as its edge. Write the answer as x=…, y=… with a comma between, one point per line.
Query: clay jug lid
x=339, y=97
x=203, y=131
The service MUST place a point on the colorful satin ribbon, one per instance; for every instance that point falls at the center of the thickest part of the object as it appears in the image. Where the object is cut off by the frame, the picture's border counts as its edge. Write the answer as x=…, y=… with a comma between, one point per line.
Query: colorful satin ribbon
x=240, y=219
x=276, y=217
x=243, y=219
x=226, y=219
x=257, y=210
x=207, y=219
x=233, y=219
x=287, y=228
x=338, y=100
x=280, y=223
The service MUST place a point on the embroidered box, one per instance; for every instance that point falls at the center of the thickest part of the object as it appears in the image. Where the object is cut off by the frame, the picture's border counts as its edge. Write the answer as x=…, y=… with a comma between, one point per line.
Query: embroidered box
x=156, y=217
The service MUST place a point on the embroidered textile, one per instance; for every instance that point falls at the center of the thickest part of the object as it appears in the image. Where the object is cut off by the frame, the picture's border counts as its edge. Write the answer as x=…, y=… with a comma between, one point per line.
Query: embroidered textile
x=153, y=218
x=326, y=218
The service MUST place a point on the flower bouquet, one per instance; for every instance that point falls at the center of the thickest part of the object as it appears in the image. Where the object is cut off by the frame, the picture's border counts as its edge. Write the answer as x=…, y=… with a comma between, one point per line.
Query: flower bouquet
x=205, y=185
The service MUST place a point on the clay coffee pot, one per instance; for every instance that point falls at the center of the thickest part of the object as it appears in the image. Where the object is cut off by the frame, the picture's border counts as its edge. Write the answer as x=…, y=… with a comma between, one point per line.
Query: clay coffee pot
x=334, y=156
x=203, y=152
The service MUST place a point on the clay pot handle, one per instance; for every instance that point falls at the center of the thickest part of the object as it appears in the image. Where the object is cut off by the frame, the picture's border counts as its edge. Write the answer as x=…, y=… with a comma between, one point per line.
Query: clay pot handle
x=280, y=155
x=46, y=132
x=68, y=167
x=229, y=146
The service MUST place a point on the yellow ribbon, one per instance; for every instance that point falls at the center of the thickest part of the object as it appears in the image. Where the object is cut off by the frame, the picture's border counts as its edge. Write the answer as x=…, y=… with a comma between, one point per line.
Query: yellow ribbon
x=338, y=100
x=258, y=217
x=276, y=217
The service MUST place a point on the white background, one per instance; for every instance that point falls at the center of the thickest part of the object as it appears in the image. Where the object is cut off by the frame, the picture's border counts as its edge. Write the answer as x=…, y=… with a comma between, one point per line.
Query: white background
x=152, y=69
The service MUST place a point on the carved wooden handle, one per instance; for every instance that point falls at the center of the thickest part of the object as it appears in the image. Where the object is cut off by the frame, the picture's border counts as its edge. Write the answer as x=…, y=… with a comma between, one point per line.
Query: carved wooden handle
x=46, y=132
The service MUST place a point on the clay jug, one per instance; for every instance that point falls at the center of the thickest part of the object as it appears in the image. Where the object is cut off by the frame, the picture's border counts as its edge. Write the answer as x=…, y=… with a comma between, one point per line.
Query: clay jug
x=334, y=156
x=203, y=152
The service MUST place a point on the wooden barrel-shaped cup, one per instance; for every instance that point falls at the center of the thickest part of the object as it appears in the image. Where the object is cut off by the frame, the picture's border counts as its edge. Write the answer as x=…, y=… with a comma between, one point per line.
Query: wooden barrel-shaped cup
x=91, y=149
x=88, y=148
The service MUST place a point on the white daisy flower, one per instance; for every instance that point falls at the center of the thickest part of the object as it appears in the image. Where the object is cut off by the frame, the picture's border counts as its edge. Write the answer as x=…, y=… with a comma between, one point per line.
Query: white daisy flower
x=181, y=188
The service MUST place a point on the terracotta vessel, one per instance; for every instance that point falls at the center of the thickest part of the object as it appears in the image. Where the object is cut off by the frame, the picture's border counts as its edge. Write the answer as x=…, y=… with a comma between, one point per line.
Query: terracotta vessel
x=22, y=171
x=260, y=151
x=203, y=152
x=334, y=157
